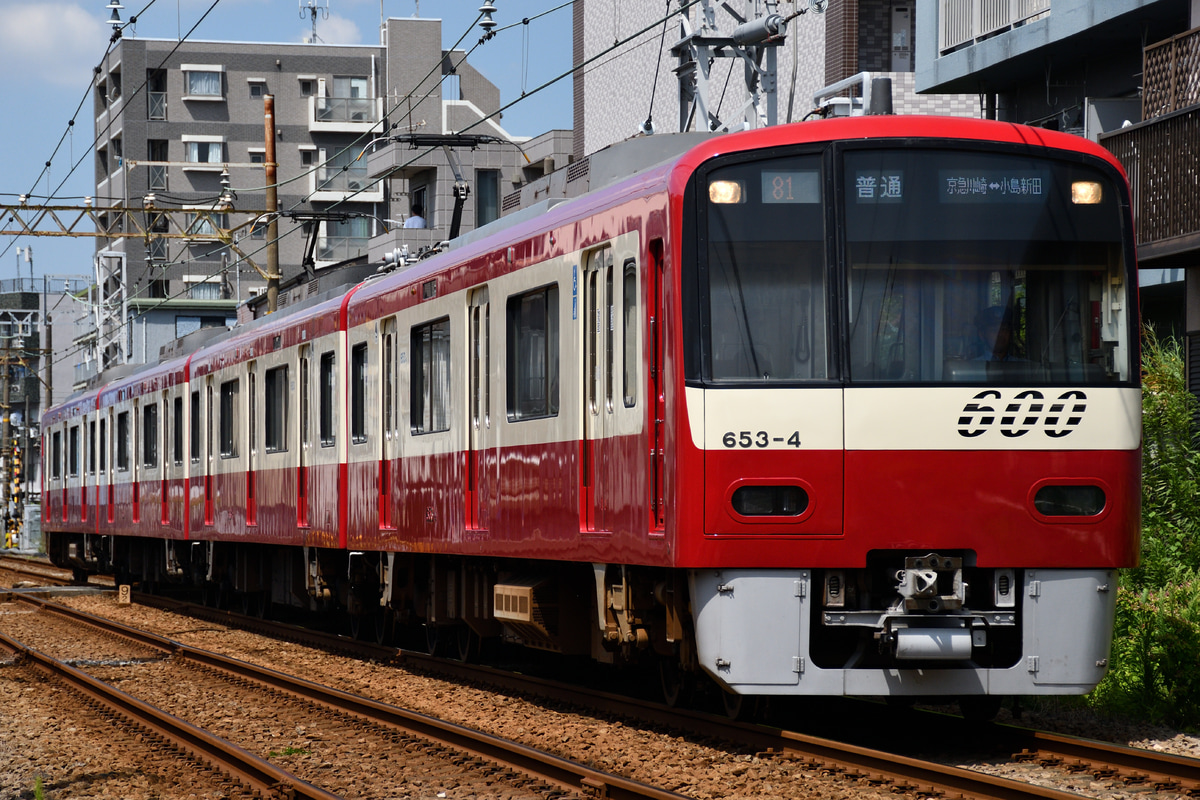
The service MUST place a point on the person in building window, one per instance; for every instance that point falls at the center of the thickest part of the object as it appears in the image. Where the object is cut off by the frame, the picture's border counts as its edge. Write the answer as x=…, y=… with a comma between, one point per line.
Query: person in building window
x=417, y=220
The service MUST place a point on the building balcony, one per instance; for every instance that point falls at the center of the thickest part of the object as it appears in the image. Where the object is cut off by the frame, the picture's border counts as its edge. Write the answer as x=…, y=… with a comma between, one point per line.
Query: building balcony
x=333, y=184
x=343, y=114
x=1160, y=157
x=966, y=22
x=1171, y=74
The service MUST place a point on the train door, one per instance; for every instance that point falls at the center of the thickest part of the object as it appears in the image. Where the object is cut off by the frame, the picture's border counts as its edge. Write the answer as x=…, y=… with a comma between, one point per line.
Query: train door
x=610, y=397
x=305, y=449
x=390, y=443
x=252, y=443
x=482, y=459
x=655, y=386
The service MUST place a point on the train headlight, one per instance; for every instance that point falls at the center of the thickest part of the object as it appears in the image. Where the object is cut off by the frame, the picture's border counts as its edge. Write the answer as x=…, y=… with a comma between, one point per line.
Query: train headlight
x=1086, y=193
x=726, y=192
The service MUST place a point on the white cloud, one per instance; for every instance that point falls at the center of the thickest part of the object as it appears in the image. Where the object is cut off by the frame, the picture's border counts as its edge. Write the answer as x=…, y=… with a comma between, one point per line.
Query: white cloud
x=55, y=43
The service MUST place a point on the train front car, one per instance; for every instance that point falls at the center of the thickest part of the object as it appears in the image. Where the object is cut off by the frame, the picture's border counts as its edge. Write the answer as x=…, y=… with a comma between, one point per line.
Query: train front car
x=910, y=357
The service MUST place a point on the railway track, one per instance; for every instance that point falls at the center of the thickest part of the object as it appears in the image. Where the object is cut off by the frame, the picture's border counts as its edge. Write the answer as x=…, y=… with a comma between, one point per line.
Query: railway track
x=1121, y=766
x=29, y=570
x=515, y=764
x=1142, y=771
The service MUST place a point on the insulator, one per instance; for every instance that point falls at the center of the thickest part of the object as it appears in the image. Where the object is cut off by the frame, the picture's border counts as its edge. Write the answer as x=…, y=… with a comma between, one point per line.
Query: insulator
x=759, y=30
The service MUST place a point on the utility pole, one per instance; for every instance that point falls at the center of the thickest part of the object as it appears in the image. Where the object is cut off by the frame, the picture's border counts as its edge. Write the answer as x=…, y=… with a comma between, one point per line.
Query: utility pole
x=272, y=203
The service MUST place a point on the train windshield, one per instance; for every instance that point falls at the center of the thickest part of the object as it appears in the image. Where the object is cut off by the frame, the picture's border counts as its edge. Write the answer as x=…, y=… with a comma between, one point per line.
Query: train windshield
x=950, y=266
x=983, y=268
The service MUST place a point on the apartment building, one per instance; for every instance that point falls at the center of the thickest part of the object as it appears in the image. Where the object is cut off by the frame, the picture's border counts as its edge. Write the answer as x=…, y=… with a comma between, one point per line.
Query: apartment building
x=181, y=128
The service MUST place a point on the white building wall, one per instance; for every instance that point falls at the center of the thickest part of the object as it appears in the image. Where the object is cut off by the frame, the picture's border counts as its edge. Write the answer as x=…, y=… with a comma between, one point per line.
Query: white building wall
x=617, y=86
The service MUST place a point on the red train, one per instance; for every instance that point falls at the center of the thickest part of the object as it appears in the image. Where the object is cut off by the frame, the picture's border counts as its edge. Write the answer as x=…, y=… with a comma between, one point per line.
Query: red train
x=846, y=407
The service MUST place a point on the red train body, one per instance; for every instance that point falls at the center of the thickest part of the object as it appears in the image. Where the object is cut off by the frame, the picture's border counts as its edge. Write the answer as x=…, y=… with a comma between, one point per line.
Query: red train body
x=740, y=413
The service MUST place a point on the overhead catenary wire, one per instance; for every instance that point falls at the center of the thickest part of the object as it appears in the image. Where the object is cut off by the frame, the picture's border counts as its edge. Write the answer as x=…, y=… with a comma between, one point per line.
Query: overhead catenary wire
x=581, y=66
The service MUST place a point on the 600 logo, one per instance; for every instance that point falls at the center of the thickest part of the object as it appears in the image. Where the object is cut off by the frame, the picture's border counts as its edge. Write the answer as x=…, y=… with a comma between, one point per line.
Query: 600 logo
x=1027, y=411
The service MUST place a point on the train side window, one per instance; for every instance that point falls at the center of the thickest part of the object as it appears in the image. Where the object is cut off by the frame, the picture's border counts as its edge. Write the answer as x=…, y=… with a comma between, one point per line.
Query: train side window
x=177, y=431
x=430, y=374
x=122, y=448
x=195, y=426
x=252, y=414
x=56, y=460
x=305, y=399
x=328, y=438
x=532, y=354
x=150, y=435
x=275, y=384
x=228, y=431
x=629, y=333
x=103, y=445
x=73, y=451
x=91, y=468
x=358, y=393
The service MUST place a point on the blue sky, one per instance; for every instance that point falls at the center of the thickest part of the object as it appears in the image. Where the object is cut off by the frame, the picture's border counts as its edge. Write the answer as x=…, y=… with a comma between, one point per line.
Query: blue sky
x=48, y=50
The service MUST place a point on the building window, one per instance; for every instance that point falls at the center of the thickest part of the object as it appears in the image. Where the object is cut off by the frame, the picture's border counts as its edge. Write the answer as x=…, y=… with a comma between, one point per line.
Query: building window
x=228, y=431
x=122, y=448
x=257, y=90
x=156, y=96
x=328, y=437
x=150, y=435
x=306, y=88
x=275, y=384
x=430, y=402
x=487, y=196
x=358, y=393
x=307, y=158
x=200, y=82
x=533, y=354
x=204, y=152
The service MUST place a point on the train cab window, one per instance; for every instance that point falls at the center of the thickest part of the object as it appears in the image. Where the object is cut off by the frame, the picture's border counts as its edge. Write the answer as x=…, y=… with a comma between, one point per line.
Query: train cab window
x=275, y=409
x=430, y=371
x=195, y=426
x=532, y=354
x=73, y=452
x=150, y=435
x=227, y=434
x=761, y=279
x=122, y=446
x=328, y=437
x=358, y=393
x=177, y=431
x=629, y=331
x=984, y=267
x=56, y=456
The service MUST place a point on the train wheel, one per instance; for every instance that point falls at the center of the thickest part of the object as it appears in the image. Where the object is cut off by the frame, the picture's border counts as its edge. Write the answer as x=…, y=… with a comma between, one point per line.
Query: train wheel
x=980, y=707
x=432, y=638
x=357, y=625
x=737, y=706
x=467, y=644
x=385, y=626
x=677, y=685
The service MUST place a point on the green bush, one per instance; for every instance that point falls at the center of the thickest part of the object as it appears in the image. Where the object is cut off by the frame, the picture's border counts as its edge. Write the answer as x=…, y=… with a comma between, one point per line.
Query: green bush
x=1156, y=643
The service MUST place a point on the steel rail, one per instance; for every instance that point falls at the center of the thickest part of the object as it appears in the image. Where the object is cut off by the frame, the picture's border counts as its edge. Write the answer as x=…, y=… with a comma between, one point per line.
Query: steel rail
x=539, y=765
x=256, y=773
x=1131, y=765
